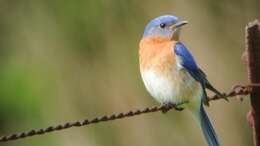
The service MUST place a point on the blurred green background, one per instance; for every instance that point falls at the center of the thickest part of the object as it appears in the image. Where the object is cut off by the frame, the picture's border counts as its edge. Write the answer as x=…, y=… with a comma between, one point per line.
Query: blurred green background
x=68, y=60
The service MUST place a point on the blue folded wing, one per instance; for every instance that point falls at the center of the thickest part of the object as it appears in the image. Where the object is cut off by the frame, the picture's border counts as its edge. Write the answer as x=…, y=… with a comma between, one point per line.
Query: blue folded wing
x=187, y=61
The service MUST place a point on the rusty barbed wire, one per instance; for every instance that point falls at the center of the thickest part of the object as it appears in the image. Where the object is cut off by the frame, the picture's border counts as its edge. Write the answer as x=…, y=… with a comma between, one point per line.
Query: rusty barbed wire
x=236, y=91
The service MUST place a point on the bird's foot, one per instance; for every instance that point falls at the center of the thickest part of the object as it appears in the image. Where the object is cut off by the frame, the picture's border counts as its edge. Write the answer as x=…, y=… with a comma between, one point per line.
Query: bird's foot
x=167, y=106
x=178, y=108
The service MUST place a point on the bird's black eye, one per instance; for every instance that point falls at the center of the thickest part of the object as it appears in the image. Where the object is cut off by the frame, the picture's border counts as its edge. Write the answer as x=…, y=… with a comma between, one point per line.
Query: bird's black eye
x=162, y=25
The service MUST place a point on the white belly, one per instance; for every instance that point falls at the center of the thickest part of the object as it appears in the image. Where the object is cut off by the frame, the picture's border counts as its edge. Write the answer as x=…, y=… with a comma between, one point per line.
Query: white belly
x=176, y=88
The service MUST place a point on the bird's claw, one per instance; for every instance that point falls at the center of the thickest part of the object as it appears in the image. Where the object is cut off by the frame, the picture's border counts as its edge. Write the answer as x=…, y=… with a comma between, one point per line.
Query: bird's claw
x=167, y=106
x=178, y=108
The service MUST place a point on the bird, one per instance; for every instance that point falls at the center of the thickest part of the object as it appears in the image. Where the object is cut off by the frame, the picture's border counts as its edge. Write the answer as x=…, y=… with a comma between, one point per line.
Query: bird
x=170, y=73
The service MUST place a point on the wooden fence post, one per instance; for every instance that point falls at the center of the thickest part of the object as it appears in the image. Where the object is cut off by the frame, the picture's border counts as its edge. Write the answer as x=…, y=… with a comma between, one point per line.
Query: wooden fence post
x=253, y=61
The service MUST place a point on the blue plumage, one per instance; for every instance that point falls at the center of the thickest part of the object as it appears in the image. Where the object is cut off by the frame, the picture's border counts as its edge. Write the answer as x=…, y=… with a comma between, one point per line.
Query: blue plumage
x=188, y=62
x=207, y=128
x=168, y=86
x=152, y=28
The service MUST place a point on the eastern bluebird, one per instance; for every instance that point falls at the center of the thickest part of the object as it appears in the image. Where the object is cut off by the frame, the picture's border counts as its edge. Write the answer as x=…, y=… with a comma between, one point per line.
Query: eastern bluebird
x=170, y=73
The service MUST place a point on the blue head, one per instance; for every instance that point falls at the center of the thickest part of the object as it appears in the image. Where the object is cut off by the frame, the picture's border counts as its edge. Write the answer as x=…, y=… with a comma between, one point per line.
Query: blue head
x=166, y=26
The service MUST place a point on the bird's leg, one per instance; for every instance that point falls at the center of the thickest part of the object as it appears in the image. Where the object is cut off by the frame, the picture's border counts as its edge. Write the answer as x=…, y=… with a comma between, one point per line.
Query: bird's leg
x=167, y=106
x=178, y=105
x=178, y=108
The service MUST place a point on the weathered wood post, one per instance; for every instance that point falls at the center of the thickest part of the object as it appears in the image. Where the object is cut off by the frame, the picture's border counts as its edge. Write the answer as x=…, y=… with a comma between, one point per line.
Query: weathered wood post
x=253, y=61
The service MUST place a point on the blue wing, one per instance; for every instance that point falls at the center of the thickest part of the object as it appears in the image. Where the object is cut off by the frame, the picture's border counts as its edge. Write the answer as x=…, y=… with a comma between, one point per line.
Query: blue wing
x=188, y=62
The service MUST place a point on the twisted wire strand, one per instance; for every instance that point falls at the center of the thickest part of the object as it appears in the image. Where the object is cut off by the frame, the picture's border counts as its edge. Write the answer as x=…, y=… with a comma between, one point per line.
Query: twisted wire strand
x=236, y=90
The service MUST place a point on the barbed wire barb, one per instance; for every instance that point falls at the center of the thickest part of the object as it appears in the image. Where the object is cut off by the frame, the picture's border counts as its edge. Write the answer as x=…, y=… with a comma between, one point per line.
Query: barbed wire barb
x=235, y=91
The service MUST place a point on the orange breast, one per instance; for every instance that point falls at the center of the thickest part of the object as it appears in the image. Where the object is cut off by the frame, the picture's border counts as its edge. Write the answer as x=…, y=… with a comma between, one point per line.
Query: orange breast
x=157, y=54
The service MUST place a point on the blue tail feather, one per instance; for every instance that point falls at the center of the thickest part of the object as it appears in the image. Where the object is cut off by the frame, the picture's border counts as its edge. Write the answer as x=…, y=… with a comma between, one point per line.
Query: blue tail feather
x=207, y=128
